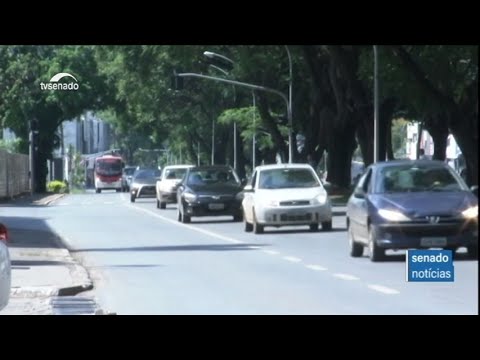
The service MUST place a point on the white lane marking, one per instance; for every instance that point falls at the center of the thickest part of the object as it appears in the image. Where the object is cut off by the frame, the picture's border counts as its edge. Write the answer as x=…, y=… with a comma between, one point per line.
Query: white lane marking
x=383, y=289
x=203, y=231
x=62, y=204
x=292, y=258
x=316, y=267
x=346, y=276
x=254, y=247
x=271, y=252
x=109, y=202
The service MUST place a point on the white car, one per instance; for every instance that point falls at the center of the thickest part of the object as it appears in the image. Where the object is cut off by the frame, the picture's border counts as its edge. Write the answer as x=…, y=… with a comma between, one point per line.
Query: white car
x=166, y=187
x=5, y=268
x=284, y=195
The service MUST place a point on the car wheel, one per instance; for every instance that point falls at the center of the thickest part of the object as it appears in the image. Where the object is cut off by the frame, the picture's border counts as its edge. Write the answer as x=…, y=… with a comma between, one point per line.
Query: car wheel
x=314, y=227
x=237, y=218
x=118, y=190
x=158, y=204
x=327, y=225
x=97, y=191
x=257, y=228
x=473, y=251
x=248, y=226
x=376, y=253
x=179, y=214
x=356, y=249
x=185, y=218
x=163, y=205
x=132, y=198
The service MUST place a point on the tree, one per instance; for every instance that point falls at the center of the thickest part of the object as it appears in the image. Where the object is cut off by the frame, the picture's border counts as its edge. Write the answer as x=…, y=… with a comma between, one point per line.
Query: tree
x=22, y=99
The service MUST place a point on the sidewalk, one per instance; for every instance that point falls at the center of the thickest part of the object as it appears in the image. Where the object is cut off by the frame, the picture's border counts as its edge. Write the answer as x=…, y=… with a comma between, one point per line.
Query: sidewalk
x=43, y=272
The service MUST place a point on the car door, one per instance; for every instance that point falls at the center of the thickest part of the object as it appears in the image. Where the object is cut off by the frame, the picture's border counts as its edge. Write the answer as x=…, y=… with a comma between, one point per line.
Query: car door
x=358, y=213
x=249, y=197
x=5, y=275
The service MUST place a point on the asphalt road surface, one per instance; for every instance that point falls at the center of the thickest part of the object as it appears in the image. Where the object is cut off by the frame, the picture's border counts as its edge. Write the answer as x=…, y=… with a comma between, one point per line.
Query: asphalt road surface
x=145, y=262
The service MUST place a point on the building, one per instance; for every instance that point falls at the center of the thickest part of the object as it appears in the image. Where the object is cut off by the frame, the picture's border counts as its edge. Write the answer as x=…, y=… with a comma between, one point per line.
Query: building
x=453, y=154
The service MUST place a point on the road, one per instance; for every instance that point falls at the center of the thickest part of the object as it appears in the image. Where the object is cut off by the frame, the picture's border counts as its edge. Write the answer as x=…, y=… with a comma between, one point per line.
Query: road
x=144, y=262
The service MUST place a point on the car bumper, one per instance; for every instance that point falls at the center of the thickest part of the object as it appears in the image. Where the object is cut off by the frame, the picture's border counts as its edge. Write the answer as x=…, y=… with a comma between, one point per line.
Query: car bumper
x=294, y=215
x=144, y=192
x=231, y=207
x=168, y=197
x=404, y=236
x=108, y=185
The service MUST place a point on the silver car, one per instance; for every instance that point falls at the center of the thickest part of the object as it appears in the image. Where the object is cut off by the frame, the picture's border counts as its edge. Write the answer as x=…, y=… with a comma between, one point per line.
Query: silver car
x=283, y=195
x=5, y=268
x=166, y=188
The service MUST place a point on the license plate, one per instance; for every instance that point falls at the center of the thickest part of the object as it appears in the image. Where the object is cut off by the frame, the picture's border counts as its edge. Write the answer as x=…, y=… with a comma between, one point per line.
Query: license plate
x=216, y=206
x=433, y=241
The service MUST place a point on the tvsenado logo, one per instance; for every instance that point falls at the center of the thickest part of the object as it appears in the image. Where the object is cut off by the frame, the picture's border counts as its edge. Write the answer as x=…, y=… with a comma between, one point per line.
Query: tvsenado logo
x=54, y=83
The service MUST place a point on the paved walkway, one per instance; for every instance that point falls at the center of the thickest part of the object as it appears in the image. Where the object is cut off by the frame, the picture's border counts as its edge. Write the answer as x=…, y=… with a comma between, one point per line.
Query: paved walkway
x=42, y=269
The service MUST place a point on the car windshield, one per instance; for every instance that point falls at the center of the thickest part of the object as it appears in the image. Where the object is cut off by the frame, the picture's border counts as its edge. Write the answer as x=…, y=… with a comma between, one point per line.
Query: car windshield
x=147, y=174
x=174, y=174
x=129, y=171
x=109, y=167
x=212, y=176
x=415, y=178
x=287, y=178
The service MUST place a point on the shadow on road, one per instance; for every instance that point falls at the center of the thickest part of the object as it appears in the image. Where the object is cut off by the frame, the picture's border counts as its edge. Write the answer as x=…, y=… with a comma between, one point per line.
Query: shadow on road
x=273, y=231
x=30, y=232
x=463, y=256
x=210, y=247
x=127, y=266
x=29, y=263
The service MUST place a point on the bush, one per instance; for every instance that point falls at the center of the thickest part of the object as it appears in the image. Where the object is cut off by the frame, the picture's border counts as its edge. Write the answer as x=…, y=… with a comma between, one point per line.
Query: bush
x=57, y=187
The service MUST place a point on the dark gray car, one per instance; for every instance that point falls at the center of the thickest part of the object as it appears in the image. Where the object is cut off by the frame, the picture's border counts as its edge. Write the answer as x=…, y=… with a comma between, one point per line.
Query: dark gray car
x=143, y=184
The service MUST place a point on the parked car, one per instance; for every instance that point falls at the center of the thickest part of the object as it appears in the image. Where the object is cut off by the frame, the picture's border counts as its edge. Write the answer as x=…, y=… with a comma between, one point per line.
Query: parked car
x=209, y=191
x=127, y=175
x=5, y=268
x=143, y=184
x=411, y=204
x=286, y=194
x=166, y=187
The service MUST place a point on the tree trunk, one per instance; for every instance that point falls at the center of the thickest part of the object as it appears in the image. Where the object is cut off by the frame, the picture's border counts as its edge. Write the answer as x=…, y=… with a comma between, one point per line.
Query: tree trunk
x=465, y=131
x=340, y=151
x=438, y=129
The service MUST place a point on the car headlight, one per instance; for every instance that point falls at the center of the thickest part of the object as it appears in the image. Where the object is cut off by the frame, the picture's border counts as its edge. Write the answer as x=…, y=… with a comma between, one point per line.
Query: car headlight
x=320, y=199
x=189, y=196
x=273, y=203
x=392, y=215
x=471, y=212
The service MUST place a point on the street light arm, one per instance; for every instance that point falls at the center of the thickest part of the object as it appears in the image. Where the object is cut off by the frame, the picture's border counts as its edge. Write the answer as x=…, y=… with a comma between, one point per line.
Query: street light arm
x=238, y=83
x=212, y=55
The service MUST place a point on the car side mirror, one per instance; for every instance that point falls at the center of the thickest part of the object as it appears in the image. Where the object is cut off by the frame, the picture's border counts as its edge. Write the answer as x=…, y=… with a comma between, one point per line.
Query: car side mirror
x=359, y=193
x=327, y=186
x=248, y=188
x=474, y=190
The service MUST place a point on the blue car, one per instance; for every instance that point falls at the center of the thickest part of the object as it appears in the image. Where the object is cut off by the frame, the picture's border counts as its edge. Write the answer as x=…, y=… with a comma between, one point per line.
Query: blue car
x=409, y=204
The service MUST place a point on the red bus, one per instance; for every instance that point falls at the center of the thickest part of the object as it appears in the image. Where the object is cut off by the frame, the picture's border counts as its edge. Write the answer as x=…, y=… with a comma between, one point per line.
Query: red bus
x=108, y=173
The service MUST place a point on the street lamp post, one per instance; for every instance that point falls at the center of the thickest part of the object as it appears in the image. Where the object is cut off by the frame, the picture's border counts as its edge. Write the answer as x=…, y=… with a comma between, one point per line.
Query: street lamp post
x=289, y=101
x=375, y=104
x=210, y=54
x=254, y=133
x=290, y=120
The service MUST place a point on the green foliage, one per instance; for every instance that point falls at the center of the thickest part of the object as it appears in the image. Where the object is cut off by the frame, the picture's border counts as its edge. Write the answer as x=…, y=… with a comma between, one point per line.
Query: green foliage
x=57, y=187
x=399, y=137
x=12, y=146
x=78, y=172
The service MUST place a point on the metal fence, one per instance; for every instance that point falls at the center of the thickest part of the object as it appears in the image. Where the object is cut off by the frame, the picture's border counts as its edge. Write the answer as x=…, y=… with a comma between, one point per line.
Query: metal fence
x=13, y=174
